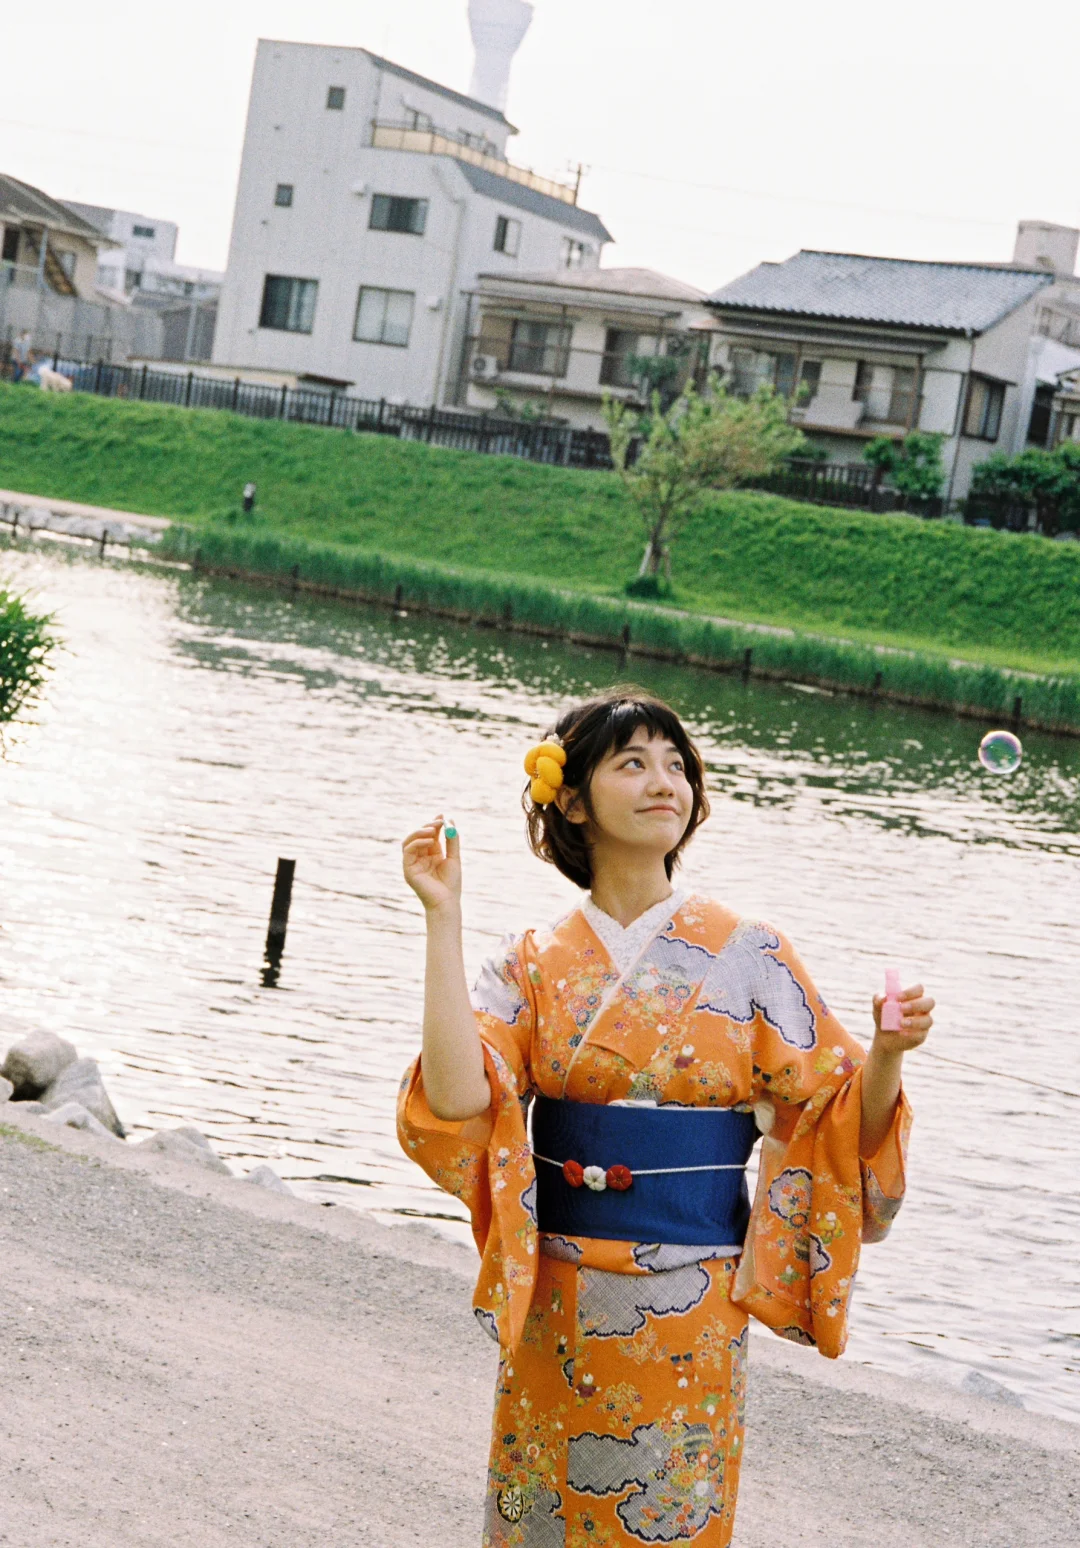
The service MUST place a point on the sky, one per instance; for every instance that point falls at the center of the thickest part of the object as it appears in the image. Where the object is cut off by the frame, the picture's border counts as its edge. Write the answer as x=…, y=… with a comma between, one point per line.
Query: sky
x=713, y=136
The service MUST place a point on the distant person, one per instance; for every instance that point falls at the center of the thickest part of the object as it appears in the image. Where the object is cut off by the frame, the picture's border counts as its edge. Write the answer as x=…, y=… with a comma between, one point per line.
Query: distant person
x=656, y=1036
x=21, y=356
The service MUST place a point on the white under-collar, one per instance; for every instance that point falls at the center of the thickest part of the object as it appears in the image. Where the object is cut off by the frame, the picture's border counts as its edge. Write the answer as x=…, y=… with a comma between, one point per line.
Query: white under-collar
x=624, y=945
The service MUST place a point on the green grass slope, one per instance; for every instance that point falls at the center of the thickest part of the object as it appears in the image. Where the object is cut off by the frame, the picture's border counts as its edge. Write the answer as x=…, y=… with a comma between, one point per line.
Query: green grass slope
x=989, y=596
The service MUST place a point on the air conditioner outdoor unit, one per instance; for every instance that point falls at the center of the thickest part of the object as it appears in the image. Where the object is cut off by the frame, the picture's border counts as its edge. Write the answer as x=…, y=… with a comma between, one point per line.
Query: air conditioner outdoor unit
x=484, y=367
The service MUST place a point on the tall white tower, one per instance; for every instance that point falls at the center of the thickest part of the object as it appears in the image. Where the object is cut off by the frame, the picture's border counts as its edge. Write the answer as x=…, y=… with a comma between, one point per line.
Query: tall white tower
x=497, y=28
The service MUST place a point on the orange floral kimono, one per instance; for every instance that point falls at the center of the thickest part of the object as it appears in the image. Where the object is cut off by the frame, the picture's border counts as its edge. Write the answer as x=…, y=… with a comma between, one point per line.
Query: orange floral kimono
x=622, y=1380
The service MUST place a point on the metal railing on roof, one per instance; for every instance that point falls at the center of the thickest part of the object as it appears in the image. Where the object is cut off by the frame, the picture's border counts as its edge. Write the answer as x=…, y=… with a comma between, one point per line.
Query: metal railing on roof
x=430, y=142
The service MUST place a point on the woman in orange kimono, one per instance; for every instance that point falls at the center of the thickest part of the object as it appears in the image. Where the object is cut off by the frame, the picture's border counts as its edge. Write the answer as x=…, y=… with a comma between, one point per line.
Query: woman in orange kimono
x=655, y=1036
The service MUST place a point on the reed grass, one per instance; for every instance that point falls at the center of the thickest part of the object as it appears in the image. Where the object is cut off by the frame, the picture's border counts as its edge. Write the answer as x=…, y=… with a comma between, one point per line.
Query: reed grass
x=990, y=692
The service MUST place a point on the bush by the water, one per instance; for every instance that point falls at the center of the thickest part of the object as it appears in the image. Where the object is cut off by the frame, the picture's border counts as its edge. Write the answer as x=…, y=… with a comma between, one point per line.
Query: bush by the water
x=25, y=643
x=990, y=596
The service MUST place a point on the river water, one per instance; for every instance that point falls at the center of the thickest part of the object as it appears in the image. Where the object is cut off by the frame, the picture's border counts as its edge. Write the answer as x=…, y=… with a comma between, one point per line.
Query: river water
x=194, y=731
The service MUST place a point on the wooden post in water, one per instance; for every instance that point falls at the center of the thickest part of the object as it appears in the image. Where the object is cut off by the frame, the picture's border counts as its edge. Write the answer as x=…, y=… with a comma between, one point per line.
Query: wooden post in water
x=279, y=922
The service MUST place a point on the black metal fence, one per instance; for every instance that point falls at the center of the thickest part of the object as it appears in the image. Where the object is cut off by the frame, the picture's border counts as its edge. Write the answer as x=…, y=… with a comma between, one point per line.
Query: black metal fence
x=535, y=441
x=844, y=483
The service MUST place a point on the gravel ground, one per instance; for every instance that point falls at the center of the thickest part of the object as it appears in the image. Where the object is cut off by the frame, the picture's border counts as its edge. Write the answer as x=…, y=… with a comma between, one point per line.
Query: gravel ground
x=193, y=1361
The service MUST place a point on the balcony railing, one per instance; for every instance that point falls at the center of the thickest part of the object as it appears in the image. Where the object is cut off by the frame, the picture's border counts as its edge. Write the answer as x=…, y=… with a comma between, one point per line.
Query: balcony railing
x=21, y=276
x=430, y=142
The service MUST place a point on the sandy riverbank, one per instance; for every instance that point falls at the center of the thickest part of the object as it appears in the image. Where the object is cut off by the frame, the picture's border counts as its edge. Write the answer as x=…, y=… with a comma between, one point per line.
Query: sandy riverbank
x=189, y=1361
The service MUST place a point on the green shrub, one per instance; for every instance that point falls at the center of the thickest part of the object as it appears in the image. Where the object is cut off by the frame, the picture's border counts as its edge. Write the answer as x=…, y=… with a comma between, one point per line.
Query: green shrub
x=25, y=643
x=1045, y=482
x=914, y=466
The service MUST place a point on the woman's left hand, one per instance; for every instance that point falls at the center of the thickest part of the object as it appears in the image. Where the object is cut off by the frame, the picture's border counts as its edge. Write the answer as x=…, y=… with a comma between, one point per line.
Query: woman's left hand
x=916, y=1006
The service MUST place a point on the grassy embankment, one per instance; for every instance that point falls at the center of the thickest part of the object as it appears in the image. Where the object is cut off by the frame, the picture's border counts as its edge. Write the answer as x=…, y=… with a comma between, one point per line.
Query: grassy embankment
x=484, y=535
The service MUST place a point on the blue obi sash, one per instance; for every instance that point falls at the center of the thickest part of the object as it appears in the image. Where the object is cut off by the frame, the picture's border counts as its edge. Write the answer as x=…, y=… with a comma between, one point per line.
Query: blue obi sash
x=657, y=1174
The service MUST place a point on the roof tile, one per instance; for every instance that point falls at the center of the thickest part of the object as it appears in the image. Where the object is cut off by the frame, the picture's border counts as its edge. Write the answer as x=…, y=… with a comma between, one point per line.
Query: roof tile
x=951, y=297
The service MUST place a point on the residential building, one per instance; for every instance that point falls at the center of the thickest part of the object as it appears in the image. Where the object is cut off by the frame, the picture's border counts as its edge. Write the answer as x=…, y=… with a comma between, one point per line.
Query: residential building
x=46, y=251
x=866, y=346
x=370, y=201
x=140, y=270
x=142, y=256
x=57, y=267
x=557, y=341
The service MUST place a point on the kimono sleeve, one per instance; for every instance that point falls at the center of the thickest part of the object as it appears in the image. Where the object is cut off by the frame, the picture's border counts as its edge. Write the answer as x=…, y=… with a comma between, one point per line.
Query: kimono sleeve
x=817, y=1198
x=486, y=1161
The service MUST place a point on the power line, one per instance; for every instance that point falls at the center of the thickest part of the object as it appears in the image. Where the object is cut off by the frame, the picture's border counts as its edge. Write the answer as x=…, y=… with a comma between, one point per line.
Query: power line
x=118, y=139
x=796, y=198
x=651, y=177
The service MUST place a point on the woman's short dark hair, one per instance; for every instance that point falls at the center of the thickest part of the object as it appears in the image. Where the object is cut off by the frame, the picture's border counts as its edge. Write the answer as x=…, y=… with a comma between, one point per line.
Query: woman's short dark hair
x=589, y=731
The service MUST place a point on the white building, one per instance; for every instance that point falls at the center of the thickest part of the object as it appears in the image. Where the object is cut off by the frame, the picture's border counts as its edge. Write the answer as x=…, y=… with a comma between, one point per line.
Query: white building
x=142, y=256
x=556, y=342
x=369, y=203
x=868, y=346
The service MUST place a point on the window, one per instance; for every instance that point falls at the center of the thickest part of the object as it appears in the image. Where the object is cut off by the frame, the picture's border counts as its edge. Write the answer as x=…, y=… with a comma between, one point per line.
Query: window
x=573, y=253
x=620, y=344
x=10, y=251
x=886, y=392
x=384, y=316
x=809, y=380
x=288, y=304
x=479, y=142
x=751, y=369
x=335, y=98
x=783, y=375
x=542, y=349
x=283, y=196
x=390, y=213
x=507, y=236
x=143, y=231
x=414, y=119
x=986, y=399
x=1042, y=411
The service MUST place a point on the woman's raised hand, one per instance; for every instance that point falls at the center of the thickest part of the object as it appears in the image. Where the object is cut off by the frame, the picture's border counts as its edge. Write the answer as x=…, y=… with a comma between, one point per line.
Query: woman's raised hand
x=432, y=873
x=916, y=1006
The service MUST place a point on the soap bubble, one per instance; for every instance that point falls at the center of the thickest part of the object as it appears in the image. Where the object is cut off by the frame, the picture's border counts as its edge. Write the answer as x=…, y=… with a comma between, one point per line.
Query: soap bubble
x=1000, y=752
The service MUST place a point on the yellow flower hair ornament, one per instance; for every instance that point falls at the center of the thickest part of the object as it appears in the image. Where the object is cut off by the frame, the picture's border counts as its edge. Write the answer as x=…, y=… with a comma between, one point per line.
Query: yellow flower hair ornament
x=544, y=766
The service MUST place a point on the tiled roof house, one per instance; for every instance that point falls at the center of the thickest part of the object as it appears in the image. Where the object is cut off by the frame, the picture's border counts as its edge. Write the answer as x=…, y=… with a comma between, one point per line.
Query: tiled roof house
x=866, y=346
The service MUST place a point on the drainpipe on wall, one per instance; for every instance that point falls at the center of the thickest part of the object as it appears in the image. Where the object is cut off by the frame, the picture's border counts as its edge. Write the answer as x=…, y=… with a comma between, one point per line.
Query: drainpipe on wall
x=41, y=276
x=961, y=404
x=451, y=289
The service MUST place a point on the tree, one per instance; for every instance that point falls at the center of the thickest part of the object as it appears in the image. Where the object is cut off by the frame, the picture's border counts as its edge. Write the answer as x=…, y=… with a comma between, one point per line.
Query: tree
x=668, y=459
x=914, y=467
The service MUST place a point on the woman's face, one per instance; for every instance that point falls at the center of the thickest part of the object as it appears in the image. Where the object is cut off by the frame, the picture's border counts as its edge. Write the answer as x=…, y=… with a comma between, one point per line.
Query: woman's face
x=640, y=795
